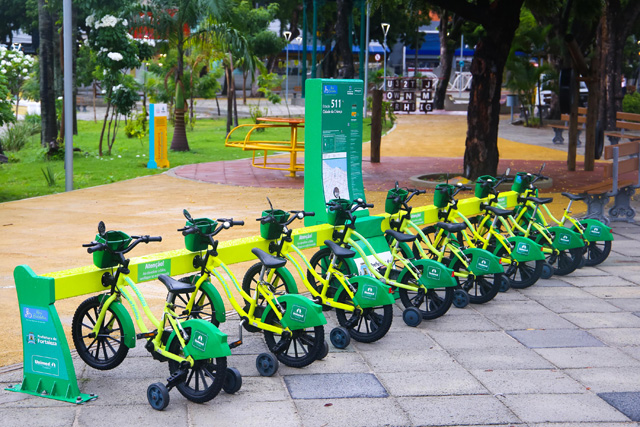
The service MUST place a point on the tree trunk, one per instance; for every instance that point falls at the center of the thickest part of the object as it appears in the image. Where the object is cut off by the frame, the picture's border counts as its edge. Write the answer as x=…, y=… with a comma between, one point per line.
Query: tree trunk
x=179, y=141
x=345, y=54
x=446, y=58
x=481, y=155
x=229, y=76
x=49, y=133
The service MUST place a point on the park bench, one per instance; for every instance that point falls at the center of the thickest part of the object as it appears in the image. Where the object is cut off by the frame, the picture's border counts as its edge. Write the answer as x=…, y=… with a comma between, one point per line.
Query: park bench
x=558, y=129
x=628, y=127
x=620, y=180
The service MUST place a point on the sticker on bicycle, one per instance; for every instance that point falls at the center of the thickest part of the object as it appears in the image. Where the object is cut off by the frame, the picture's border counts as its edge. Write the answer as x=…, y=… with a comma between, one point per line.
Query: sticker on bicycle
x=434, y=273
x=595, y=230
x=199, y=341
x=305, y=241
x=565, y=238
x=35, y=314
x=523, y=248
x=369, y=292
x=363, y=268
x=151, y=270
x=483, y=264
x=45, y=365
x=502, y=202
x=417, y=218
x=298, y=313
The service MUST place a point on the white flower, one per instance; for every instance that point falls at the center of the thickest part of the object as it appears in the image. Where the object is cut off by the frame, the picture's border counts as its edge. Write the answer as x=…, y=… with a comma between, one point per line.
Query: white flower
x=25, y=71
x=107, y=21
x=104, y=73
x=3, y=71
x=115, y=56
x=125, y=22
x=119, y=156
x=90, y=21
x=59, y=98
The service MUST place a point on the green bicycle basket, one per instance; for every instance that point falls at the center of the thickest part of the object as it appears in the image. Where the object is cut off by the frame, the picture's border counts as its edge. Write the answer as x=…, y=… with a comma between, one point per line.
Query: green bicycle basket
x=117, y=241
x=481, y=191
x=196, y=242
x=442, y=196
x=272, y=230
x=339, y=216
x=521, y=182
x=391, y=206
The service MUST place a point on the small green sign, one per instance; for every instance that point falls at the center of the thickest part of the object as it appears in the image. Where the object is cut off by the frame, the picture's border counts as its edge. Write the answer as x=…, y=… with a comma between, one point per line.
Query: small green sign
x=433, y=273
x=305, y=241
x=199, y=341
x=45, y=365
x=298, y=313
x=523, y=248
x=417, y=218
x=369, y=292
x=565, y=238
x=595, y=230
x=152, y=270
x=483, y=264
x=502, y=202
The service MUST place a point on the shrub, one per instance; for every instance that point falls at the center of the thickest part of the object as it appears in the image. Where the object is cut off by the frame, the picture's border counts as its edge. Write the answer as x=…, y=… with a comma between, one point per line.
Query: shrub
x=16, y=136
x=631, y=103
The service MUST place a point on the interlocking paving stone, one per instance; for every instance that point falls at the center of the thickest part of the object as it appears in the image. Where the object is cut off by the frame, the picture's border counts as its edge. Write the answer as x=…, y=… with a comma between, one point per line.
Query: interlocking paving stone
x=500, y=358
x=350, y=412
x=618, y=337
x=334, y=386
x=605, y=380
x=442, y=383
x=523, y=381
x=239, y=412
x=588, y=357
x=603, y=320
x=637, y=313
x=589, y=304
x=556, y=338
x=626, y=402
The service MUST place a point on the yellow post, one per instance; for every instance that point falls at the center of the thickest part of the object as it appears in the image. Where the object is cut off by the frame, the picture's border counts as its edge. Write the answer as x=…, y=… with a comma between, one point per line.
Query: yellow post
x=160, y=135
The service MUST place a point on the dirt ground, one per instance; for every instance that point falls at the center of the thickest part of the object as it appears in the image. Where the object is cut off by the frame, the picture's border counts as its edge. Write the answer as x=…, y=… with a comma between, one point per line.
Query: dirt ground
x=46, y=233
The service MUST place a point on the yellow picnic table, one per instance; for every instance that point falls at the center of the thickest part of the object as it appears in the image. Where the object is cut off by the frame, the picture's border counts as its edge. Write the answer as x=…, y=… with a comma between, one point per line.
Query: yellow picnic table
x=292, y=146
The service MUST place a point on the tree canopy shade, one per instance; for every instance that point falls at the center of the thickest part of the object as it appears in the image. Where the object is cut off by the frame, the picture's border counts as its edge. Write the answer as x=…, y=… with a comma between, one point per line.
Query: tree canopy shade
x=500, y=19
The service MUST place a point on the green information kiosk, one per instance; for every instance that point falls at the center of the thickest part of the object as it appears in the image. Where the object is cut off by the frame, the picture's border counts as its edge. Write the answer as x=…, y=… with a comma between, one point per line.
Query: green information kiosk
x=333, y=144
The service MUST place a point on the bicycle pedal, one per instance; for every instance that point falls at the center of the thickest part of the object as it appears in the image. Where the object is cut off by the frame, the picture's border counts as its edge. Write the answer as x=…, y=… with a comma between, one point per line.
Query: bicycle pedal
x=176, y=378
x=282, y=345
x=235, y=344
x=146, y=335
x=351, y=323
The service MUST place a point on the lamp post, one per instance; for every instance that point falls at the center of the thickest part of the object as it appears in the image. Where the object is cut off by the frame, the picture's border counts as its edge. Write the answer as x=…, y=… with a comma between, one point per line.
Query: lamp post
x=287, y=37
x=385, y=30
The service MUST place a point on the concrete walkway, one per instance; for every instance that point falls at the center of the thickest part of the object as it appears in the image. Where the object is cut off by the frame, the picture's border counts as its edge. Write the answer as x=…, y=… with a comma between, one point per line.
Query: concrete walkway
x=565, y=352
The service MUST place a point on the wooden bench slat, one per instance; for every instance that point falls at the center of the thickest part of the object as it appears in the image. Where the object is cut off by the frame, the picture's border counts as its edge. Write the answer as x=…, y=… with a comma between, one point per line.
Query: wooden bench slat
x=632, y=117
x=620, y=124
x=624, y=149
x=603, y=187
x=581, y=119
x=624, y=166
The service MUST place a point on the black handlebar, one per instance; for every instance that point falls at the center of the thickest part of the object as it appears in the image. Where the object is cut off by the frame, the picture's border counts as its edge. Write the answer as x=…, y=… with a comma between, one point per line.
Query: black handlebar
x=96, y=246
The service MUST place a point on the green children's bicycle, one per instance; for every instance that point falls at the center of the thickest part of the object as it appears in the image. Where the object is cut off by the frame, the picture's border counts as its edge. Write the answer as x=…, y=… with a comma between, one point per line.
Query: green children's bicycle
x=103, y=331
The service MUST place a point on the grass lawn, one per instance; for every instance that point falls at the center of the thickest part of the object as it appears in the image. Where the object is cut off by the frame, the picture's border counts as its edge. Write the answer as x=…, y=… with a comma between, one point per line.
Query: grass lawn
x=127, y=160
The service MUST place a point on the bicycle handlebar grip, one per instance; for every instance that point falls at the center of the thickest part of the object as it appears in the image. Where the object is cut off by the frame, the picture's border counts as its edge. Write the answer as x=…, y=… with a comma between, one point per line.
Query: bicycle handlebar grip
x=237, y=222
x=368, y=205
x=87, y=245
x=309, y=213
x=155, y=239
x=95, y=248
x=189, y=230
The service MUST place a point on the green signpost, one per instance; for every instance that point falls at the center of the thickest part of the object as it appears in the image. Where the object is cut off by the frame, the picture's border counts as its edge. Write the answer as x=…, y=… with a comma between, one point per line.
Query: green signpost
x=333, y=144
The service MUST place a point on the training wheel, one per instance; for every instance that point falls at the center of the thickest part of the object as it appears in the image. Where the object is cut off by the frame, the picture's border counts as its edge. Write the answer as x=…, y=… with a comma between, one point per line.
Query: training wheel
x=232, y=381
x=460, y=298
x=324, y=350
x=340, y=337
x=158, y=396
x=547, y=271
x=505, y=284
x=267, y=364
x=412, y=316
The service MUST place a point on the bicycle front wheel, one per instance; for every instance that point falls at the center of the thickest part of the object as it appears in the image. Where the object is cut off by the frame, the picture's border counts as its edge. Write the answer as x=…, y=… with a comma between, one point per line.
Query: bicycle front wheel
x=203, y=380
x=298, y=350
x=103, y=351
x=481, y=289
x=522, y=274
x=372, y=324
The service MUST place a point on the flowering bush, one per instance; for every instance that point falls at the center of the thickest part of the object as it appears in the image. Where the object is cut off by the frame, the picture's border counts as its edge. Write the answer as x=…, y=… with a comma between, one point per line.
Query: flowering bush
x=15, y=66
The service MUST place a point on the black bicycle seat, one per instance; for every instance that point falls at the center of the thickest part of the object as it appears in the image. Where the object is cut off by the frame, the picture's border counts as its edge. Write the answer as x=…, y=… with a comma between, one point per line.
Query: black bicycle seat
x=175, y=286
x=339, y=250
x=268, y=260
x=538, y=200
x=574, y=196
x=401, y=237
x=497, y=211
x=452, y=228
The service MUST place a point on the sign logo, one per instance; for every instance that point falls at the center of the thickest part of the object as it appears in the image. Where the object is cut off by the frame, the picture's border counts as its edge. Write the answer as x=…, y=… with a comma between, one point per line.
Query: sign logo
x=305, y=241
x=595, y=230
x=417, y=218
x=298, y=313
x=369, y=292
x=433, y=273
x=151, y=270
x=45, y=365
x=483, y=264
x=564, y=238
x=523, y=248
x=35, y=314
x=199, y=341
x=330, y=89
x=31, y=338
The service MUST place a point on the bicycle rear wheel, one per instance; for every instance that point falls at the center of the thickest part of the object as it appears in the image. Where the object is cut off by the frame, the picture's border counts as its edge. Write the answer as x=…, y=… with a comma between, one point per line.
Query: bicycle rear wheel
x=297, y=351
x=481, y=289
x=522, y=274
x=373, y=323
x=204, y=379
x=103, y=351
x=432, y=303
x=597, y=252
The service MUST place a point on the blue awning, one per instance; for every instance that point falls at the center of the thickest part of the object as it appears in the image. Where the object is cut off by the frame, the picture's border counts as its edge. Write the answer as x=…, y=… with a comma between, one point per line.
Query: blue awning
x=431, y=47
